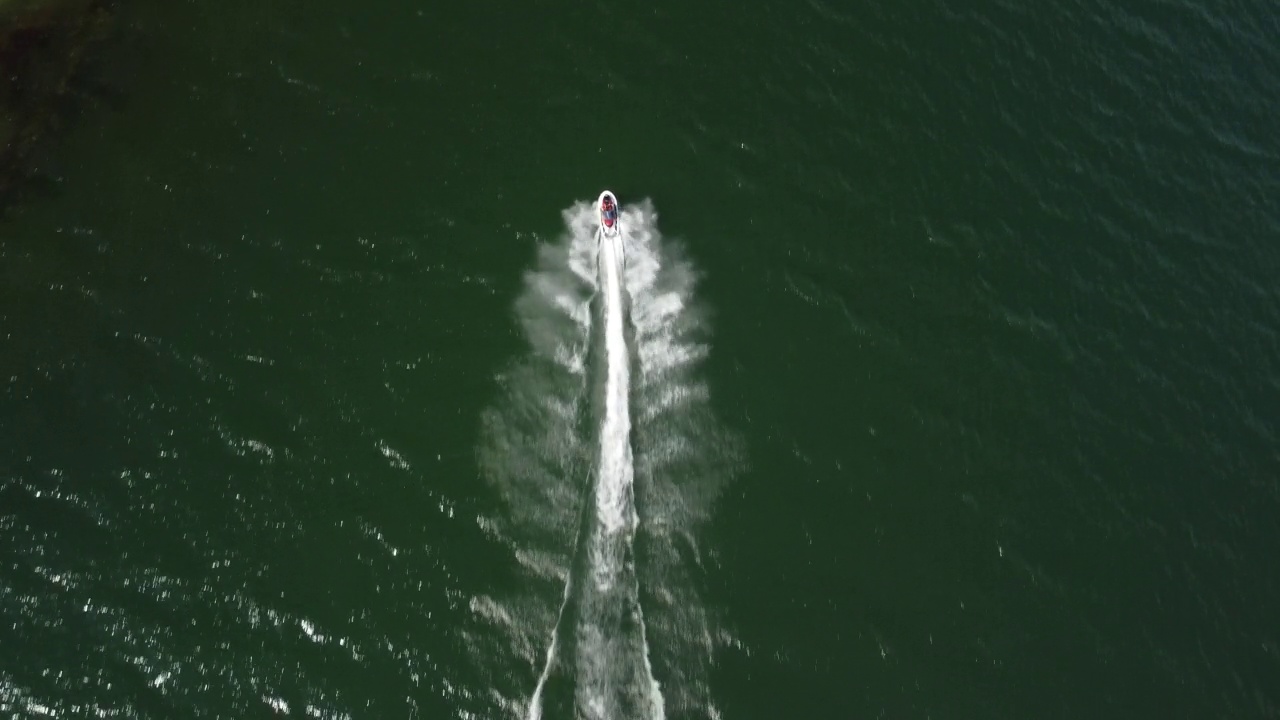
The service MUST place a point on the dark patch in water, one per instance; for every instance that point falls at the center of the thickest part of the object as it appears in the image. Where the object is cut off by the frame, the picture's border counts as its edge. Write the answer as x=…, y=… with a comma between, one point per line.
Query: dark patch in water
x=45, y=51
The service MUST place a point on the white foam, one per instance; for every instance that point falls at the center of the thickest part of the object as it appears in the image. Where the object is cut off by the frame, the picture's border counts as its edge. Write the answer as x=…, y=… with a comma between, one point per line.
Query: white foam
x=613, y=509
x=680, y=456
x=683, y=455
x=393, y=456
x=535, y=702
x=579, y=254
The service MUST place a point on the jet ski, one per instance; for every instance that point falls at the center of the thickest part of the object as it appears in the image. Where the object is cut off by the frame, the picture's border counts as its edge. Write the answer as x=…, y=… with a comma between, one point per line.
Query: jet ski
x=609, y=211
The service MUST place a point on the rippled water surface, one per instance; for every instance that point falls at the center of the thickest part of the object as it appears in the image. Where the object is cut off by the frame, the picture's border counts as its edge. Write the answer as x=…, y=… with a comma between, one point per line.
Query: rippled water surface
x=948, y=384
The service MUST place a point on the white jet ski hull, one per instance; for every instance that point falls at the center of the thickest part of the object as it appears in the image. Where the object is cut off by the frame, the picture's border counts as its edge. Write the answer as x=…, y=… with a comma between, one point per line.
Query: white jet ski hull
x=607, y=229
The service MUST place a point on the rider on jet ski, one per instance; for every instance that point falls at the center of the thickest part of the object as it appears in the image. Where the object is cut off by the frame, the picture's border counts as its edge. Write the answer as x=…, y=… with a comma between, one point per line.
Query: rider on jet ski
x=609, y=210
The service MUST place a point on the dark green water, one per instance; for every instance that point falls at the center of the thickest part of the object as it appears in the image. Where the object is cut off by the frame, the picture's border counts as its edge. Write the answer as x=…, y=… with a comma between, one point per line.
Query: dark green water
x=978, y=316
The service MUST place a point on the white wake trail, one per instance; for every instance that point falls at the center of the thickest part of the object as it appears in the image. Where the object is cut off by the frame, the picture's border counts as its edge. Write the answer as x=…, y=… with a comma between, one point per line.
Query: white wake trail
x=606, y=458
x=582, y=251
x=615, y=491
x=614, y=508
x=613, y=677
x=684, y=457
